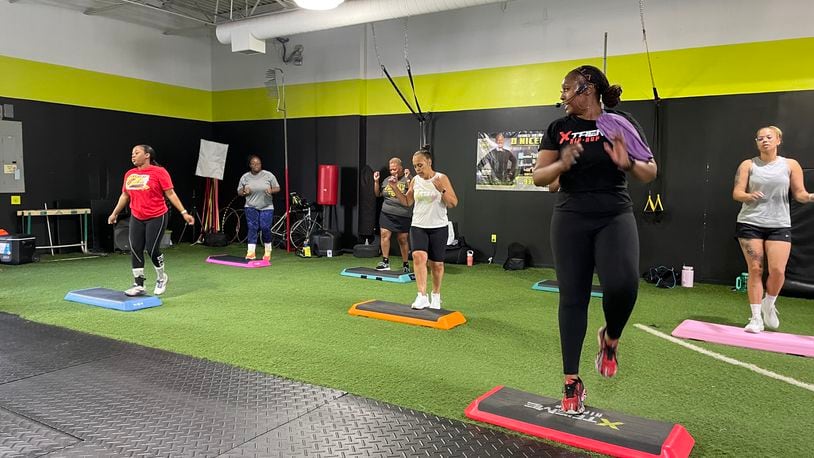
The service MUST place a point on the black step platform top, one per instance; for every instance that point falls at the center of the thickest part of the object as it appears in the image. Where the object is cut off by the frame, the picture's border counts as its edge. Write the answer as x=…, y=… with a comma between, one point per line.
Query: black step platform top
x=394, y=308
x=65, y=393
x=596, y=429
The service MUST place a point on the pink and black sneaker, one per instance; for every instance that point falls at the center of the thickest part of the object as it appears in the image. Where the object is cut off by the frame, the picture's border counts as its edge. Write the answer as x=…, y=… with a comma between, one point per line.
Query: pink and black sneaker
x=573, y=397
x=606, y=363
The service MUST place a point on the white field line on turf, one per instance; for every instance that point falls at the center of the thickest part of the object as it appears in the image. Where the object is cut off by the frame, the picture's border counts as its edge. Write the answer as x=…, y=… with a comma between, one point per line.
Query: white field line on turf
x=726, y=359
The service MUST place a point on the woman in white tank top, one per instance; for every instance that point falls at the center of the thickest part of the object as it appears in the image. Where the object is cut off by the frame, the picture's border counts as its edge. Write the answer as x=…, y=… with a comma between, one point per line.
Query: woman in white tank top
x=430, y=193
x=763, y=228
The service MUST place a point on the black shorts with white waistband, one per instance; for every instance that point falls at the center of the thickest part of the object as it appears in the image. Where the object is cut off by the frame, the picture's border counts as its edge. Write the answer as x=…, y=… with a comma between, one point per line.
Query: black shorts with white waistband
x=749, y=231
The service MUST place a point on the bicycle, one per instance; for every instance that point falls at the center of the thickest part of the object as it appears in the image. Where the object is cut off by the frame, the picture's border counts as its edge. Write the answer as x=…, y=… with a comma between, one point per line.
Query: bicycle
x=302, y=230
x=278, y=231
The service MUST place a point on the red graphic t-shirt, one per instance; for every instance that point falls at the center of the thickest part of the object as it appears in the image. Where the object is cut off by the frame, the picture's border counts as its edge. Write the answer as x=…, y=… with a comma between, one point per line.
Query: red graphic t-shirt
x=146, y=190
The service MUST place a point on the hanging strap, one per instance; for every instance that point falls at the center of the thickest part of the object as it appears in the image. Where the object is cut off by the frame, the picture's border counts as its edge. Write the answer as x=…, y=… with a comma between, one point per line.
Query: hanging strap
x=419, y=117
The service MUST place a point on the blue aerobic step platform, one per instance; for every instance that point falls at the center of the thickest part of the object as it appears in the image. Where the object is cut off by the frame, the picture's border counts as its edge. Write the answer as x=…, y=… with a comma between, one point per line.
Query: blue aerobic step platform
x=395, y=276
x=112, y=299
x=552, y=286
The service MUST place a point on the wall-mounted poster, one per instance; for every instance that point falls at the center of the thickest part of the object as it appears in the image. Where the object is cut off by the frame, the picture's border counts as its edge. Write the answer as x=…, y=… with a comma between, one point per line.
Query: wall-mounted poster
x=505, y=160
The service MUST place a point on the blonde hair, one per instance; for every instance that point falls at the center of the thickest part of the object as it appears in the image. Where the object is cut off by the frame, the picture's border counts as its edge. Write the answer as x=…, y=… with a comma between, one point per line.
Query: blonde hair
x=394, y=159
x=776, y=130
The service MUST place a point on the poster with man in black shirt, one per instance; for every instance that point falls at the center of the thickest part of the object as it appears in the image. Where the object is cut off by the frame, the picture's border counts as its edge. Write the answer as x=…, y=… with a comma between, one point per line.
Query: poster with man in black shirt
x=505, y=161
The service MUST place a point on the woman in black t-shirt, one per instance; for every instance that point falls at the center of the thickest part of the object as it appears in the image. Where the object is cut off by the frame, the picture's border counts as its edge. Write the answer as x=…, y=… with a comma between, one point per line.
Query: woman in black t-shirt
x=593, y=224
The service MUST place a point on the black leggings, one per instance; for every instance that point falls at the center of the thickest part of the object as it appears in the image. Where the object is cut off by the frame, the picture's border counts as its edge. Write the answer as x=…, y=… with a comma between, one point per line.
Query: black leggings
x=147, y=234
x=579, y=242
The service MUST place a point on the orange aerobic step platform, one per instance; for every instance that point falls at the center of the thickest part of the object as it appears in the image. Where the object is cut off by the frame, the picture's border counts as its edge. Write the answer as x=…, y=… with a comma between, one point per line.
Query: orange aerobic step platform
x=402, y=313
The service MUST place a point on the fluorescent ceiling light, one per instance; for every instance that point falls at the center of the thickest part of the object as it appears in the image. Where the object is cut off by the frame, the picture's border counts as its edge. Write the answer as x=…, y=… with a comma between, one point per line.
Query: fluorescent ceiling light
x=318, y=4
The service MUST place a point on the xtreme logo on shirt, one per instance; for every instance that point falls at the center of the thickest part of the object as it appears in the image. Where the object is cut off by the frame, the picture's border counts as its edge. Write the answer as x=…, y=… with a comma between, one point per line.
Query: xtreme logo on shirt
x=586, y=136
x=136, y=182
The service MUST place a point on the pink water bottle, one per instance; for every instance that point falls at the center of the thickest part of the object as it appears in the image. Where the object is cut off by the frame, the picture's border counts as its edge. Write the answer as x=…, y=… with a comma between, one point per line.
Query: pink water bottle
x=687, y=275
x=470, y=257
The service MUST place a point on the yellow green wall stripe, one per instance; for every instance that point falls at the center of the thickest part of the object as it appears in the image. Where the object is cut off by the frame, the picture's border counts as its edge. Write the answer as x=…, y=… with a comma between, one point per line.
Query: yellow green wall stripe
x=774, y=66
x=25, y=79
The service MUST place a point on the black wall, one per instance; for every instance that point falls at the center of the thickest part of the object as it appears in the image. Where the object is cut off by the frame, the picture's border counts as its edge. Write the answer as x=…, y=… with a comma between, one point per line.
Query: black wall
x=80, y=154
x=703, y=140
x=311, y=142
x=73, y=155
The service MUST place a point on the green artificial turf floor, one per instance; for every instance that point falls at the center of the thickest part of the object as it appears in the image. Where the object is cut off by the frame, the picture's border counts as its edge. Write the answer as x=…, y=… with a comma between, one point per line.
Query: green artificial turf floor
x=291, y=320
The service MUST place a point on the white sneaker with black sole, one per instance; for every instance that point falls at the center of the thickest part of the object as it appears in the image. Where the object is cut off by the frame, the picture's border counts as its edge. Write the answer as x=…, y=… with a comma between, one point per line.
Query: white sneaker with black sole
x=135, y=290
x=161, y=285
x=383, y=266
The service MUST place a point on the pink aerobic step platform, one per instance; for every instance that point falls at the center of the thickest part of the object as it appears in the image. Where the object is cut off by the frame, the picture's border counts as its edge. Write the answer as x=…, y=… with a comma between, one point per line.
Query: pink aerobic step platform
x=778, y=342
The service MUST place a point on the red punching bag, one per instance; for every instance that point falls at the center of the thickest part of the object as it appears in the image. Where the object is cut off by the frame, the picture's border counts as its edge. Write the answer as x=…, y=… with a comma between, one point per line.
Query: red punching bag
x=328, y=184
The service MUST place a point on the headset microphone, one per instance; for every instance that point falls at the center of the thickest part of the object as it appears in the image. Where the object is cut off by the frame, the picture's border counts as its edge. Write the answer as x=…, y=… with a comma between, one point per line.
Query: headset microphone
x=582, y=88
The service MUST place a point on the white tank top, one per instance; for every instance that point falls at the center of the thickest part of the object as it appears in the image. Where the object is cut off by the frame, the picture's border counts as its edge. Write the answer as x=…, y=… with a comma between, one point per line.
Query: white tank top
x=429, y=210
x=772, y=179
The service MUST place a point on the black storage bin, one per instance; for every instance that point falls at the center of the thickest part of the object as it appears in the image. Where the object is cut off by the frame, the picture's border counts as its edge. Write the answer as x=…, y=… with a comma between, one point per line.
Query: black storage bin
x=366, y=251
x=17, y=248
x=323, y=241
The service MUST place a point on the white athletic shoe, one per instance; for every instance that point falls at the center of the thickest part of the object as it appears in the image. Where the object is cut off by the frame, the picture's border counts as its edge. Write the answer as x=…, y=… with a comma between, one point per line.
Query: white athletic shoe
x=770, y=316
x=435, y=301
x=755, y=325
x=135, y=290
x=161, y=285
x=420, y=302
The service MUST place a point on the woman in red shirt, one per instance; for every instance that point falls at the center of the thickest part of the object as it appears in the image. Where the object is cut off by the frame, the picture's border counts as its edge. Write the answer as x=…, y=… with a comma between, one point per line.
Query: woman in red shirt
x=145, y=187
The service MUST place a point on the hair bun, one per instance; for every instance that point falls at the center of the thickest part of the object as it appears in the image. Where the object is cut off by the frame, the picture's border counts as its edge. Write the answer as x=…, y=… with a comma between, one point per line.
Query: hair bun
x=612, y=95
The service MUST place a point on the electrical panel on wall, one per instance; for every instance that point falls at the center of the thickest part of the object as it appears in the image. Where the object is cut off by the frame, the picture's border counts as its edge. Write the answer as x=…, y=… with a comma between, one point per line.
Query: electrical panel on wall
x=12, y=176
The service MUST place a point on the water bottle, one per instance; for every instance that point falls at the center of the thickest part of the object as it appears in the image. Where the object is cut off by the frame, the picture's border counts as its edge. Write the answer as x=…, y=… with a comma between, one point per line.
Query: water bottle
x=687, y=275
x=741, y=282
x=470, y=257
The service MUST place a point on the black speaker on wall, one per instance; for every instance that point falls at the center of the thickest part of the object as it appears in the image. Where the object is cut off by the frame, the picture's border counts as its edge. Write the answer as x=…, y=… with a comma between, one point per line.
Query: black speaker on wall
x=101, y=233
x=121, y=235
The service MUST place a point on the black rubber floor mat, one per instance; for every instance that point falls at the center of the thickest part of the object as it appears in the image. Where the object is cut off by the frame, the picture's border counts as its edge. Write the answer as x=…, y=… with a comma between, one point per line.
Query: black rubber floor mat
x=75, y=395
x=358, y=427
x=20, y=436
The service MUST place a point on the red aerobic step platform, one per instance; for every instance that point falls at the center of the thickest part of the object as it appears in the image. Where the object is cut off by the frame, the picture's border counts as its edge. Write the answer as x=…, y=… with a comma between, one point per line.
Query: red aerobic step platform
x=597, y=430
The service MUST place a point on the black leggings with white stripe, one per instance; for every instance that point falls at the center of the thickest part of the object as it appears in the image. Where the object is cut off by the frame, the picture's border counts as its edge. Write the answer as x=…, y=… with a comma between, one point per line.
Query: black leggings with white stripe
x=147, y=235
x=581, y=242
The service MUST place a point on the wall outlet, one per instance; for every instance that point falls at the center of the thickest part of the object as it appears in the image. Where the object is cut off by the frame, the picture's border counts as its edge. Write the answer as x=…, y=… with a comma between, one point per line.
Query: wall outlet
x=494, y=238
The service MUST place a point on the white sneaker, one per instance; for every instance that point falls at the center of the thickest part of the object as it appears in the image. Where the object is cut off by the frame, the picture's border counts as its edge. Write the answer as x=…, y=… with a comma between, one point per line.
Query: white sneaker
x=420, y=302
x=135, y=290
x=435, y=301
x=161, y=285
x=770, y=316
x=755, y=325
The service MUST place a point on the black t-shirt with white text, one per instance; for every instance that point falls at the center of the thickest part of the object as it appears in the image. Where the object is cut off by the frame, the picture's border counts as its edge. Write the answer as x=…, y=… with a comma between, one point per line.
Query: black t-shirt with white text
x=594, y=184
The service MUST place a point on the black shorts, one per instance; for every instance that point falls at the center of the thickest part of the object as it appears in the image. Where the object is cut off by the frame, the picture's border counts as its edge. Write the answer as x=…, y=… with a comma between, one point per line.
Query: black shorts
x=433, y=241
x=394, y=223
x=748, y=231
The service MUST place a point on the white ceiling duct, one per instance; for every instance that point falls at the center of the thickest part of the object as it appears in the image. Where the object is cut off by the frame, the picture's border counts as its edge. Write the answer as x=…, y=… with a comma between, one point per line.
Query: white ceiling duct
x=249, y=36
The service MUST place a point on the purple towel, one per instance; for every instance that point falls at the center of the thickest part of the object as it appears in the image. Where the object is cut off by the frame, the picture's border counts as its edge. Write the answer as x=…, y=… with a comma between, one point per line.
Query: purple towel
x=613, y=126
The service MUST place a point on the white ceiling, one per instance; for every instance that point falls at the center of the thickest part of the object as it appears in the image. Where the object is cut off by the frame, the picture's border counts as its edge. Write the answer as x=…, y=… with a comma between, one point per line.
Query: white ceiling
x=172, y=17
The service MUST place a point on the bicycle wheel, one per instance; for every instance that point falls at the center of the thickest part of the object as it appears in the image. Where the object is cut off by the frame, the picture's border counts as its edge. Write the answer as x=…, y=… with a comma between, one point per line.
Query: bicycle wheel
x=299, y=233
x=230, y=224
x=278, y=231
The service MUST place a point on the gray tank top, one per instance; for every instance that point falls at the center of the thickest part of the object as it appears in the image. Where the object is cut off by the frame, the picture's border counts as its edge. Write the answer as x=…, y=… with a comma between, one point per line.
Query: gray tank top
x=772, y=179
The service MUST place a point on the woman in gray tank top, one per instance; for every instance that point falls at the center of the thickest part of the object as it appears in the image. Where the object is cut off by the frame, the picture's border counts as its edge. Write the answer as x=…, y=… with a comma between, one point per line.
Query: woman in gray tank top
x=763, y=229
